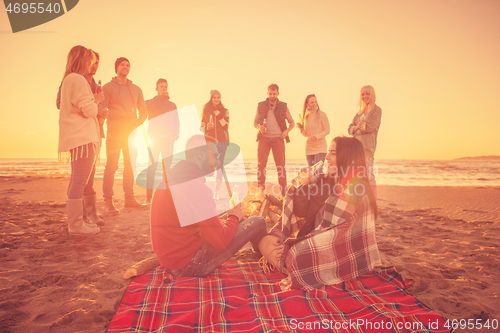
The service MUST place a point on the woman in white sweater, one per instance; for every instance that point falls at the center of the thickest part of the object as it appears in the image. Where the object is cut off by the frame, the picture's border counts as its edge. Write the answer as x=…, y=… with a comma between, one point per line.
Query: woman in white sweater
x=79, y=134
x=315, y=128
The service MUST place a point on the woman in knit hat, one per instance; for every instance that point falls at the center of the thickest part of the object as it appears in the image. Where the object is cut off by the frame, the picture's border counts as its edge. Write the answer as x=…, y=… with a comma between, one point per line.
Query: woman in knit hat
x=215, y=123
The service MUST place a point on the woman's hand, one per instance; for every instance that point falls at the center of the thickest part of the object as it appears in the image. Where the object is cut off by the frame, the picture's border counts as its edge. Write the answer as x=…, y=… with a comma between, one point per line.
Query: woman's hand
x=210, y=126
x=359, y=126
x=312, y=139
x=307, y=173
x=99, y=97
x=103, y=112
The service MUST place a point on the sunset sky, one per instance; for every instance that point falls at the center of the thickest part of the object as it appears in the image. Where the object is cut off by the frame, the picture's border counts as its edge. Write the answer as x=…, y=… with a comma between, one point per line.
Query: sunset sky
x=434, y=66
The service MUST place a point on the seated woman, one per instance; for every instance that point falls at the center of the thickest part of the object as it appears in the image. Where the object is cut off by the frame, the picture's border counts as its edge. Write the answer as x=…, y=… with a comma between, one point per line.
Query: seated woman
x=337, y=242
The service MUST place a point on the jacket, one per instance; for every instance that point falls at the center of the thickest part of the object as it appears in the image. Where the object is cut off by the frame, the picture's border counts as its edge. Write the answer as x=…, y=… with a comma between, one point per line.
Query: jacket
x=279, y=114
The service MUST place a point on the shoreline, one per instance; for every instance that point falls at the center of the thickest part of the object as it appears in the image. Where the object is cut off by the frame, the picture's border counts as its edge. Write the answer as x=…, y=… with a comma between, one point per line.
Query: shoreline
x=446, y=239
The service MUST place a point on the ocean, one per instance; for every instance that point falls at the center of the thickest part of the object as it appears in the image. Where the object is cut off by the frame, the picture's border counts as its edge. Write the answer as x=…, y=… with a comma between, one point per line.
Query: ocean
x=388, y=172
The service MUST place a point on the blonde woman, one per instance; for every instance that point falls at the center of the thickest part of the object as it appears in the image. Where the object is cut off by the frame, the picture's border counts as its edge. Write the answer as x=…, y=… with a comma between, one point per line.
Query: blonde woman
x=79, y=133
x=364, y=127
x=315, y=128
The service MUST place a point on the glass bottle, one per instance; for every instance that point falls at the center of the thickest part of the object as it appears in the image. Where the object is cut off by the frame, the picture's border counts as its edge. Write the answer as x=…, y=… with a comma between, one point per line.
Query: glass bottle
x=303, y=176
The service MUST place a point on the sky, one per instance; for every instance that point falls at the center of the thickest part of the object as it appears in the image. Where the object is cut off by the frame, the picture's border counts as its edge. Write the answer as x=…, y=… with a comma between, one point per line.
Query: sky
x=433, y=63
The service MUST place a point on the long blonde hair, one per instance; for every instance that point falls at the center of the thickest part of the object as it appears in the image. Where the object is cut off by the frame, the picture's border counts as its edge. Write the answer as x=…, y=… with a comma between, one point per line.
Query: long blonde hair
x=365, y=108
x=80, y=60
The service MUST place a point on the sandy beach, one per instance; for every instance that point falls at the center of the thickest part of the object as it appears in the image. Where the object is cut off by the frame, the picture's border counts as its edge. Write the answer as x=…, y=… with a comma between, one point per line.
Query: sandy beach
x=446, y=239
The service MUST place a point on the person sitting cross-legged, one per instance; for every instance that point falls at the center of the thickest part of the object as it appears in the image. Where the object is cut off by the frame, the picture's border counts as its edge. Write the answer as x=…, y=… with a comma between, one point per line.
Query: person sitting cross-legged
x=187, y=234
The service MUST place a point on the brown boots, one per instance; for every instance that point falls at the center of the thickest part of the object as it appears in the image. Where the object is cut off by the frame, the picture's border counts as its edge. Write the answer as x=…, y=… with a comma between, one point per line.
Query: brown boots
x=110, y=206
x=130, y=202
x=90, y=210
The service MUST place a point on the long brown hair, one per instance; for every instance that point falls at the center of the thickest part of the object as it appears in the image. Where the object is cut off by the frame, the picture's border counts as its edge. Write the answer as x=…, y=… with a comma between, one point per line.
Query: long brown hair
x=305, y=109
x=351, y=163
x=79, y=60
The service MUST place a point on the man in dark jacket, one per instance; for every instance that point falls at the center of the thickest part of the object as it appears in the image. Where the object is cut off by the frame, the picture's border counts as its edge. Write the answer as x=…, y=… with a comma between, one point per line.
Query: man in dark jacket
x=163, y=131
x=270, y=120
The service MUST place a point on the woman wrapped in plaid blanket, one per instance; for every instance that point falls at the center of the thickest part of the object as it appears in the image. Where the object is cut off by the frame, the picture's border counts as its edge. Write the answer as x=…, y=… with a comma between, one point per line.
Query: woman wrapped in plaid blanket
x=337, y=240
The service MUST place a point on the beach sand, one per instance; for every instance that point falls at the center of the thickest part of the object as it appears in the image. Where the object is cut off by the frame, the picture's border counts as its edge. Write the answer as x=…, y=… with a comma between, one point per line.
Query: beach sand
x=446, y=239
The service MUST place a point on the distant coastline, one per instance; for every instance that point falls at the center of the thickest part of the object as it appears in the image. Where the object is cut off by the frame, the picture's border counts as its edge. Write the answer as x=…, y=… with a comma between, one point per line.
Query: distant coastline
x=489, y=157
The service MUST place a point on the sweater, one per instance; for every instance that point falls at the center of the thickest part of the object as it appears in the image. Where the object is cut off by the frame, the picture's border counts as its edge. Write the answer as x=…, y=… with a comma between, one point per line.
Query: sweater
x=123, y=101
x=316, y=125
x=368, y=137
x=78, y=124
x=93, y=88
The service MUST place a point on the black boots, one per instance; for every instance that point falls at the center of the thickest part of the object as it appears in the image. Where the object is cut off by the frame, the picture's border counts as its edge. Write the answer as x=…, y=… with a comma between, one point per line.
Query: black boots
x=131, y=202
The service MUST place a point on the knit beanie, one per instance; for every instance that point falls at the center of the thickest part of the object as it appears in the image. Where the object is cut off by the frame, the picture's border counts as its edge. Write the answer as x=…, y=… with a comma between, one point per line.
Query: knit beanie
x=119, y=61
x=214, y=92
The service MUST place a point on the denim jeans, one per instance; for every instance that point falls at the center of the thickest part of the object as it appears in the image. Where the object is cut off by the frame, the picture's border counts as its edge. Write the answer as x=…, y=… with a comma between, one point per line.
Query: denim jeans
x=116, y=142
x=208, y=258
x=370, y=173
x=167, y=151
x=221, y=148
x=277, y=145
x=83, y=160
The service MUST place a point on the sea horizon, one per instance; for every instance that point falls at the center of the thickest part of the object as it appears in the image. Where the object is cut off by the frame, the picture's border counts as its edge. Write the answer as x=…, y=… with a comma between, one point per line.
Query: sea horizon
x=400, y=172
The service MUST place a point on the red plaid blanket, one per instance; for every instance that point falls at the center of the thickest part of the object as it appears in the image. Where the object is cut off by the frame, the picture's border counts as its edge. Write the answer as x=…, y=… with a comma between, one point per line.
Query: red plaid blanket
x=239, y=297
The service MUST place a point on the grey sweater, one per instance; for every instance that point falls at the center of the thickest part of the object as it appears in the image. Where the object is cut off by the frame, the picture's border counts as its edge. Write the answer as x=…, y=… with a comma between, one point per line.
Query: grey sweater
x=368, y=137
x=123, y=101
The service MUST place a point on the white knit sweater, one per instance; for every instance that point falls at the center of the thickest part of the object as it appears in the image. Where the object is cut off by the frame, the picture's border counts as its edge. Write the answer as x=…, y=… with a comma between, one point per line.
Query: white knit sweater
x=78, y=124
x=317, y=125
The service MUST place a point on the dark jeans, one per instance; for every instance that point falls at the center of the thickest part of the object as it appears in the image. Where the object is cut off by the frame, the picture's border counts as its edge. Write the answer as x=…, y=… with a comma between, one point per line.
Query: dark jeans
x=277, y=145
x=116, y=142
x=83, y=160
x=221, y=148
x=208, y=258
x=167, y=149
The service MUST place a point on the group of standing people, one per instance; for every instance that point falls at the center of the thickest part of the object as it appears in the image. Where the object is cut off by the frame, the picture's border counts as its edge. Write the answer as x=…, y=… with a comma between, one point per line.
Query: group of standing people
x=271, y=122
x=344, y=217
x=84, y=105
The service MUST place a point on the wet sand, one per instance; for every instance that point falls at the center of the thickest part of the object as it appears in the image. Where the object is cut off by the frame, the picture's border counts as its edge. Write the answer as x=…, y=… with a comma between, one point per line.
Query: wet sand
x=446, y=239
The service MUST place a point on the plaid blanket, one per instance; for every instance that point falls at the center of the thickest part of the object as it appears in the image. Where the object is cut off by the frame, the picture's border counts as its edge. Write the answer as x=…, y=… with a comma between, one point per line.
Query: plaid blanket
x=342, y=246
x=239, y=297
